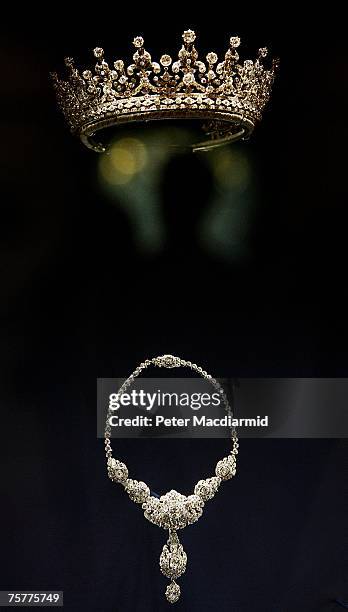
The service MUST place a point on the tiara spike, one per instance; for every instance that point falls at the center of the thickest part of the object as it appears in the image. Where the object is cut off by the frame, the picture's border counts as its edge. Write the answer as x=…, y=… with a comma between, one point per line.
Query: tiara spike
x=262, y=53
x=189, y=37
x=138, y=42
x=234, y=42
x=229, y=96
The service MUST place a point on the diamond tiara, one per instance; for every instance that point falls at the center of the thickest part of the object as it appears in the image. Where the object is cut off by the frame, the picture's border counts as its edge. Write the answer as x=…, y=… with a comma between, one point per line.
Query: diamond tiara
x=228, y=96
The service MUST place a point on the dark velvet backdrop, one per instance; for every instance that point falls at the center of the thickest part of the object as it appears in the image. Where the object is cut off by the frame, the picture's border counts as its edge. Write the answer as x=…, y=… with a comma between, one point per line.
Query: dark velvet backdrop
x=81, y=299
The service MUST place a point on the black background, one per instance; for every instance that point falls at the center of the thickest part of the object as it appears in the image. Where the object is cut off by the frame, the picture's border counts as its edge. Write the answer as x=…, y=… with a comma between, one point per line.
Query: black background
x=79, y=300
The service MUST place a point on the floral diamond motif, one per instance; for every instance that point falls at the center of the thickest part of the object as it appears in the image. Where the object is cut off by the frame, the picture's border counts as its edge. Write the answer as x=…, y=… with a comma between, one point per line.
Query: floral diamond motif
x=173, y=510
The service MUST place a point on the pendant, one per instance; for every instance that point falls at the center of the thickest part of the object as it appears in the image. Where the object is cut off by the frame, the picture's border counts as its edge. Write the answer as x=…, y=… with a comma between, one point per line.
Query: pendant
x=173, y=562
x=172, y=511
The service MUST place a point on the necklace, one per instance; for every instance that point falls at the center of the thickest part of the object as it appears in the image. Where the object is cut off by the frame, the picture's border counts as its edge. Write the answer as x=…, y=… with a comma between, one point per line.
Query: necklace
x=172, y=511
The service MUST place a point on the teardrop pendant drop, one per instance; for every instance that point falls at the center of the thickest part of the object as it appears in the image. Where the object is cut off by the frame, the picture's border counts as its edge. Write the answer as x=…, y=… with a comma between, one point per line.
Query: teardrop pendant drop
x=173, y=562
x=173, y=592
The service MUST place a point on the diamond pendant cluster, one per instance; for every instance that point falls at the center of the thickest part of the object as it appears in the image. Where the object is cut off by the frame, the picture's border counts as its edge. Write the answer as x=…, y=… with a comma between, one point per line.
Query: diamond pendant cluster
x=173, y=562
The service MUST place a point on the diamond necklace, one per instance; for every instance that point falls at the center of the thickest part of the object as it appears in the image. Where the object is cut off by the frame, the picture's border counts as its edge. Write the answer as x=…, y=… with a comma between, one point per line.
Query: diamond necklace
x=172, y=511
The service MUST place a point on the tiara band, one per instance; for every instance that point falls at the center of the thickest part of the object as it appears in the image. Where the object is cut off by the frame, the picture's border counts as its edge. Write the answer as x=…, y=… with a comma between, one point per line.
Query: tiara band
x=227, y=96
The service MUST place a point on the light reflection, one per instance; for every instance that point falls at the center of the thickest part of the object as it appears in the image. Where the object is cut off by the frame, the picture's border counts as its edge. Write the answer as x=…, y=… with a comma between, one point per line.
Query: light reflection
x=231, y=168
x=225, y=227
x=126, y=158
x=131, y=173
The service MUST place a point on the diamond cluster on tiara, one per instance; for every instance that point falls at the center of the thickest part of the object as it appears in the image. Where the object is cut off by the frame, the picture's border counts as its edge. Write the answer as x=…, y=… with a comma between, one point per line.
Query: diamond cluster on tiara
x=228, y=92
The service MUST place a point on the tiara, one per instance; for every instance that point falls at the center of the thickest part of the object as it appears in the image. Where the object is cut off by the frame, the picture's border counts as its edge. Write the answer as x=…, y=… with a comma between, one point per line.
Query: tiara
x=228, y=96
